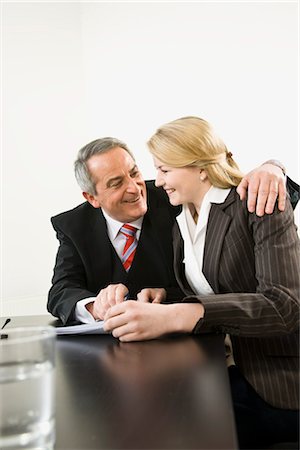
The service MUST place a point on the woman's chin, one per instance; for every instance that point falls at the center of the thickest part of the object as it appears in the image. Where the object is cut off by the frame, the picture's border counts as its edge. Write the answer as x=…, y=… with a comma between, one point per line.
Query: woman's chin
x=174, y=202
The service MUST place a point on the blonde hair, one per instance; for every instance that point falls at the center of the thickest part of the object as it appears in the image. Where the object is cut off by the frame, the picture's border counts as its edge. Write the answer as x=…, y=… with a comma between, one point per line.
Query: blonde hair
x=191, y=141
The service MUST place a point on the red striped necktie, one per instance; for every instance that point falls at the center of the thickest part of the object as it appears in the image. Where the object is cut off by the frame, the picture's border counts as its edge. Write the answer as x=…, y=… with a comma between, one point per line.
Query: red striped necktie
x=130, y=246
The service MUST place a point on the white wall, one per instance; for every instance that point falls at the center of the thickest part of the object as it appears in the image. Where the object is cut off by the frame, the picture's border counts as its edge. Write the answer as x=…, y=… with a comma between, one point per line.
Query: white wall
x=76, y=71
x=43, y=123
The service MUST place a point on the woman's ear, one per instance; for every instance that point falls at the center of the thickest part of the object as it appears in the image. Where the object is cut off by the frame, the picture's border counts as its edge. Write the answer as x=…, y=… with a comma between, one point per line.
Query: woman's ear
x=203, y=175
x=91, y=199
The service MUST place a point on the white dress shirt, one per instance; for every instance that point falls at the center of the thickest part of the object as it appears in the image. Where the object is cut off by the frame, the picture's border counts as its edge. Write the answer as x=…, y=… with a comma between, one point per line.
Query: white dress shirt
x=194, y=239
x=118, y=241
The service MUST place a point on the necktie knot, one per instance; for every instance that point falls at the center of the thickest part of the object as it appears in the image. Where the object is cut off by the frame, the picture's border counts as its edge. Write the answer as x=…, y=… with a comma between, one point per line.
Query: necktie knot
x=128, y=230
x=130, y=245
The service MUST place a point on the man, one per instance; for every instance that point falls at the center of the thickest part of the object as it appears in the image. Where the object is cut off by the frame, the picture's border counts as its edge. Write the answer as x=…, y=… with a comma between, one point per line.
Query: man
x=89, y=275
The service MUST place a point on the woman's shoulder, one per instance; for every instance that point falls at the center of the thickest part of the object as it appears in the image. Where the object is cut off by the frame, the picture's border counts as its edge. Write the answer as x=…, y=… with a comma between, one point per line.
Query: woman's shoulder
x=240, y=207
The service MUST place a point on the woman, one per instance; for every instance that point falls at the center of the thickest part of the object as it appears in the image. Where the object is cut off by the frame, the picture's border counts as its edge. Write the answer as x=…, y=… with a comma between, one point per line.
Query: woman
x=240, y=274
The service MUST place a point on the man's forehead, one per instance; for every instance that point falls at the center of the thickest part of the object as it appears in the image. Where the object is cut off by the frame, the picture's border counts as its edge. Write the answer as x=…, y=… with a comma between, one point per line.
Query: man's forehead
x=111, y=160
x=110, y=165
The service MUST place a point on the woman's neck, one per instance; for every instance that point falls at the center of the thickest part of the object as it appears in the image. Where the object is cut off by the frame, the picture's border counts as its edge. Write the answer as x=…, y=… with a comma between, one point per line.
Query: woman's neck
x=195, y=207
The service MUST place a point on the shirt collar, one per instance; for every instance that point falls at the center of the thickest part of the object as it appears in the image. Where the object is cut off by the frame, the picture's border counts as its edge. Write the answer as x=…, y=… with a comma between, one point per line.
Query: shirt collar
x=113, y=225
x=185, y=219
x=216, y=195
x=213, y=195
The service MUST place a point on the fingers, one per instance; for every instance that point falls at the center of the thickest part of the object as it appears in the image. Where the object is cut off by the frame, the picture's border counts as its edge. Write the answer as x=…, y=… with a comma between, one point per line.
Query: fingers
x=161, y=295
x=116, y=320
x=144, y=295
x=115, y=311
x=259, y=195
x=131, y=321
x=119, y=293
x=125, y=333
x=272, y=197
x=264, y=193
x=242, y=188
x=265, y=184
x=111, y=295
x=258, y=192
x=252, y=195
x=131, y=337
x=152, y=295
x=113, y=324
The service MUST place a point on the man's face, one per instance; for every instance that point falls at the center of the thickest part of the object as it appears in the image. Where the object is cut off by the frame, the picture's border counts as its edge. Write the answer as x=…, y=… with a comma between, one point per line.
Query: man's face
x=121, y=190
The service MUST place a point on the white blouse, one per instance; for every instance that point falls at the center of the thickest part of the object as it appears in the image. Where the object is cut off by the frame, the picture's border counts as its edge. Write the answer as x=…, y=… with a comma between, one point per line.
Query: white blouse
x=194, y=239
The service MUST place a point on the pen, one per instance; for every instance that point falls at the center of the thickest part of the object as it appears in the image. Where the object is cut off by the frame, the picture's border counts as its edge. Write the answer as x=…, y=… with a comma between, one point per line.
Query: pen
x=4, y=336
x=5, y=323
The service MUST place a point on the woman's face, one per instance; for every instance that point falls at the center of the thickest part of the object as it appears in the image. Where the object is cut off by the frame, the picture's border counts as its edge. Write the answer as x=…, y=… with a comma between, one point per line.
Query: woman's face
x=182, y=184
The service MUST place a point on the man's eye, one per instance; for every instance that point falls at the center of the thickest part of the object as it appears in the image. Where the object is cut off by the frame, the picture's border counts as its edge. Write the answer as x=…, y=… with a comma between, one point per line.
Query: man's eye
x=115, y=184
x=134, y=174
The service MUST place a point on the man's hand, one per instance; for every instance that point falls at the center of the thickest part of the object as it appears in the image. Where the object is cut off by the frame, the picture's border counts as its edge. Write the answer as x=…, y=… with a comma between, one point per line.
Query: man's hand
x=111, y=295
x=264, y=185
x=152, y=295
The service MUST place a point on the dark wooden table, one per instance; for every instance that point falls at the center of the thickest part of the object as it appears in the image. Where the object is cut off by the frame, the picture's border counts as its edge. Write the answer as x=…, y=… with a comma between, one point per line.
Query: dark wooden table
x=171, y=393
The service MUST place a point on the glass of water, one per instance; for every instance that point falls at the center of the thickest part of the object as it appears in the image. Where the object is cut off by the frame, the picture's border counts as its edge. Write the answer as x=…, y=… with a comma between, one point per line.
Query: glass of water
x=27, y=388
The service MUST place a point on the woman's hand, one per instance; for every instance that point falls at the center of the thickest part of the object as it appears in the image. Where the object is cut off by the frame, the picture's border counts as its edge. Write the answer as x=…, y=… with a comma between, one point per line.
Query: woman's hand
x=138, y=321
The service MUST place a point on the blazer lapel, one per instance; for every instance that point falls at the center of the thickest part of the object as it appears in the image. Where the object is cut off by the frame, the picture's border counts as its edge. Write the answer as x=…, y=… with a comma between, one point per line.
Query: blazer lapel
x=217, y=226
x=179, y=266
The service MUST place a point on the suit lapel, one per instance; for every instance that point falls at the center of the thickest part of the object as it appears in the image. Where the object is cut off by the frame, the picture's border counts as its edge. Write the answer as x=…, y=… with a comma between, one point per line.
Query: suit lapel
x=99, y=246
x=158, y=224
x=151, y=234
x=217, y=226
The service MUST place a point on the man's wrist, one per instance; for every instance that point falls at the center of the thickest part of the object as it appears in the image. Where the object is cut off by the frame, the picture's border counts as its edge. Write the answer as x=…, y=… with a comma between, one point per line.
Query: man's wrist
x=276, y=163
x=81, y=312
x=90, y=308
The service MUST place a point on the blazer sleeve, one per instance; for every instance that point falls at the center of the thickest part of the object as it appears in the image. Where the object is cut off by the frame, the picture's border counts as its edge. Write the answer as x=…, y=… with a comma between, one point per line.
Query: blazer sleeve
x=69, y=279
x=272, y=308
x=293, y=190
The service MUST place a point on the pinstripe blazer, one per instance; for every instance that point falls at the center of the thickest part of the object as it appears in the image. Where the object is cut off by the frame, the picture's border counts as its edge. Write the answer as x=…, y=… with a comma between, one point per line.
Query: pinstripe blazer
x=252, y=264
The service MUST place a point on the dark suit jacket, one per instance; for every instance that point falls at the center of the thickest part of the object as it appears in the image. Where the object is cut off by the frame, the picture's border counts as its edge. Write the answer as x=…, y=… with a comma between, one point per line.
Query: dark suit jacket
x=86, y=261
x=252, y=265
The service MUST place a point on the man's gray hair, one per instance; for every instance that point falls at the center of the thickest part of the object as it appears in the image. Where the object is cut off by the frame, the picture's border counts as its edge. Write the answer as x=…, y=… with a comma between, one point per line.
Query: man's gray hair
x=96, y=147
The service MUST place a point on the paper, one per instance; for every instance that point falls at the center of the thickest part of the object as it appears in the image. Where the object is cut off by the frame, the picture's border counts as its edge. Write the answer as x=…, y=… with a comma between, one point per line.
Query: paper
x=84, y=328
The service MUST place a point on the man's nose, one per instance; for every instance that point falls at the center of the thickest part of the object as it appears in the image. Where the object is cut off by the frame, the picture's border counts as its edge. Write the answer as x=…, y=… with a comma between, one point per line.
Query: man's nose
x=132, y=186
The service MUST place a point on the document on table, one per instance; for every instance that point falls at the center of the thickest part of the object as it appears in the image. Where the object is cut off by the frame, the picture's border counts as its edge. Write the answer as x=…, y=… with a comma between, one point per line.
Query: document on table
x=84, y=328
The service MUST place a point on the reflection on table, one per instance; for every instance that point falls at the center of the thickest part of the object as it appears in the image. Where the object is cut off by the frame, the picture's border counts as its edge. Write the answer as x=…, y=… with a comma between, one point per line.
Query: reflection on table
x=171, y=393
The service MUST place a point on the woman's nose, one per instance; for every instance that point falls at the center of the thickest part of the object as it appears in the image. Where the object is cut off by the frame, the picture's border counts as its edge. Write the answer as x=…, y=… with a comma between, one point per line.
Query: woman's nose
x=158, y=180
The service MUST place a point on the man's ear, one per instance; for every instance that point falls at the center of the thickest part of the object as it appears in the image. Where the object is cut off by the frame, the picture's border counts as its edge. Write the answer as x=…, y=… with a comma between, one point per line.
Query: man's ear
x=91, y=199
